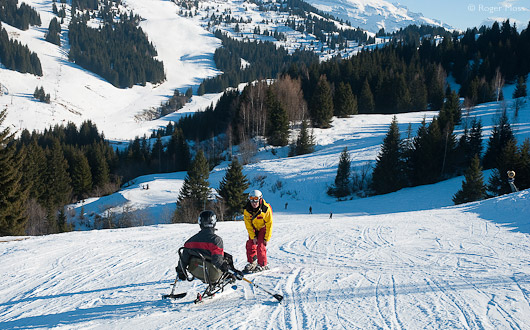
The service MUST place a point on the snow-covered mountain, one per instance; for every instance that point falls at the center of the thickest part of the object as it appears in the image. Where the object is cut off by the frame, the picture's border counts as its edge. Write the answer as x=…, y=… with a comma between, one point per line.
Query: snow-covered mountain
x=406, y=260
x=184, y=45
x=373, y=15
x=78, y=95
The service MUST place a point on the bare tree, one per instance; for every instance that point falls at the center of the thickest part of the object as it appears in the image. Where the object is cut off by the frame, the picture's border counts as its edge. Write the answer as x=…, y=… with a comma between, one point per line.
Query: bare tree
x=499, y=83
x=247, y=150
x=289, y=93
x=187, y=212
x=37, y=223
x=253, y=109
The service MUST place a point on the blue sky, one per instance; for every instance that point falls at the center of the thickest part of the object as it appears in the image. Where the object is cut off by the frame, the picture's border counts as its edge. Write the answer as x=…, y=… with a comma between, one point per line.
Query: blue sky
x=462, y=14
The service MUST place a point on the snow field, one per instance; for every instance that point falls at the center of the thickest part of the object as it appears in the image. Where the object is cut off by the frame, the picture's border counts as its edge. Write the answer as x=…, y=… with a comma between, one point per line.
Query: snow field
x=433, y=269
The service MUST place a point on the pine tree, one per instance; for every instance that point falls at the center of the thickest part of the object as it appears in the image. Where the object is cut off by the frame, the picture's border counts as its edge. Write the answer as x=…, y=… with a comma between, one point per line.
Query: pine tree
x=54, y=30
x=57, y=180
x=508, y=159
x=13, y=194
x=523, y=166
x=366, y=99
x=475, y=138
x=403, y=98
x=520, y=90
x=473, y=188
x=321, y=105
x=435, y=87
x=34, y=166
x=418, y=95
x=62, y=223
x=342, y=179
x=305, y=143
x=195, y=191
x=345, y=101
x=80, y=175
x=502, y=133
x=451, y=112
x=388, y=172
x=232, y=188
x=428, y=155
x=98, y=165
x=278, y=123
x=178, y=152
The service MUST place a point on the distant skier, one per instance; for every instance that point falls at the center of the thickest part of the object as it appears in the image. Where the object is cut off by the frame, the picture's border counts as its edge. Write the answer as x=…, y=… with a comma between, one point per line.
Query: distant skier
x=258, y=221
x=511, y=181
x=330, y=215
x=310, y=210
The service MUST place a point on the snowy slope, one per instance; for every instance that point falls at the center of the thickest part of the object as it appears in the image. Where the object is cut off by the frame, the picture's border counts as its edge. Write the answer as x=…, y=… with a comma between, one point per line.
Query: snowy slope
x=373, y=15
x=447, y=268
x=183, y=44
x=406, y=260
x=303, y=180
x=185, y=48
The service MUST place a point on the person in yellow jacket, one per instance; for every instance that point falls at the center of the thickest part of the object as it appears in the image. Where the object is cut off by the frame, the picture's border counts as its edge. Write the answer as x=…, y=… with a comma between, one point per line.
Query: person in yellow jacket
x=258, y=221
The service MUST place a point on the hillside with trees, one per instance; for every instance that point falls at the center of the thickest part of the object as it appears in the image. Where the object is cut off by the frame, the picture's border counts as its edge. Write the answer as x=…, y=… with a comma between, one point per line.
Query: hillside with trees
x=15, y=56
x=118, y=50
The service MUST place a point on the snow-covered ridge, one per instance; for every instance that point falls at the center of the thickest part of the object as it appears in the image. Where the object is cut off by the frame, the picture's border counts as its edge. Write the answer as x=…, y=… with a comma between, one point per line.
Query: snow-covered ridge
x=373, y=15
x=183, y=44
x=78, y=95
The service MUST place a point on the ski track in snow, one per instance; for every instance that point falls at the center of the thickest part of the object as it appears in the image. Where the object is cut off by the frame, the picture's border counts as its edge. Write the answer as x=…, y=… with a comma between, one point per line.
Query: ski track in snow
x=435, y=269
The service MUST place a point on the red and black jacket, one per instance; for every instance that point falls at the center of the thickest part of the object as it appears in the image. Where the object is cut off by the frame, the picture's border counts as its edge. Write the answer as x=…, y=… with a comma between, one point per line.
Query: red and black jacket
x=208, y=244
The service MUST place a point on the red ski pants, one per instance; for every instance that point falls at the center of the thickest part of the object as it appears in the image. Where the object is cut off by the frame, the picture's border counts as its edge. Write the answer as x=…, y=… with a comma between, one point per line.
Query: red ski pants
x=258, y=251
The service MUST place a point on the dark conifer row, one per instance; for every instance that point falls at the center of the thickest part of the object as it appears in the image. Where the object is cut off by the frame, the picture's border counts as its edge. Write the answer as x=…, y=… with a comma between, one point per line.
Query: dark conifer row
x=65, y=164
x=119, y=51
x=41, y=95
x=322, y=25
x=85, y=4
x=48, y=170
x=54, y=32
x=414, y=34
x=402, y=77
x=434, y=154
x=15, y=56
x=147, y=156
x=266, y=61
x=21, y=16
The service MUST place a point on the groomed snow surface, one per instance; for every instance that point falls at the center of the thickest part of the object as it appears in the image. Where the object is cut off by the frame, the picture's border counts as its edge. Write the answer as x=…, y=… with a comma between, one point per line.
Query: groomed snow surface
x=448, y=268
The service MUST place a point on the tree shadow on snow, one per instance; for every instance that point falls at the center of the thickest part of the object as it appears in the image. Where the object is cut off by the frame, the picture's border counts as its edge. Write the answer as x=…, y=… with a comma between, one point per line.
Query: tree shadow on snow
x=78, y=315
x=510, y=210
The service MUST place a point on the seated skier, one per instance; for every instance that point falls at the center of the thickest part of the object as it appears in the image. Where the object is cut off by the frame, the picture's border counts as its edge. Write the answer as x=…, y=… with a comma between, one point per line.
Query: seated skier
x=206, y=244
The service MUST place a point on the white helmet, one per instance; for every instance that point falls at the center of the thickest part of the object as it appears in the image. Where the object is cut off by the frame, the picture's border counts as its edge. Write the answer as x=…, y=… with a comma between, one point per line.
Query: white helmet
x=255, y=194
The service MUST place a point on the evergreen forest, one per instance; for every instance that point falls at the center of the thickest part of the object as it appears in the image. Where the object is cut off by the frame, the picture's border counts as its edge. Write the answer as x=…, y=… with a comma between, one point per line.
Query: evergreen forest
x=43, y=172
x=119, y=50
x=18, y=57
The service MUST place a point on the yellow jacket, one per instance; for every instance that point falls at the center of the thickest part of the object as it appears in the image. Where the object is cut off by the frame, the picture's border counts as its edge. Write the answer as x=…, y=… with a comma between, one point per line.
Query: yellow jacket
x=255, y=219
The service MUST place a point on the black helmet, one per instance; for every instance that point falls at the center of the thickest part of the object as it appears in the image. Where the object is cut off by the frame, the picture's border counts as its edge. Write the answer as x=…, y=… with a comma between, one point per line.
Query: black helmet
x=207, y=219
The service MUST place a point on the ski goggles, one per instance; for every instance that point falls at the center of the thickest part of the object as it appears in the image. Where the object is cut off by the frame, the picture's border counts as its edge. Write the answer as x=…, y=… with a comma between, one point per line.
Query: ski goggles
x=254, y=199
